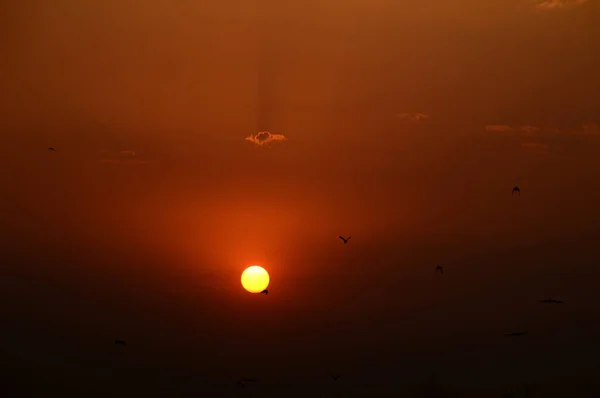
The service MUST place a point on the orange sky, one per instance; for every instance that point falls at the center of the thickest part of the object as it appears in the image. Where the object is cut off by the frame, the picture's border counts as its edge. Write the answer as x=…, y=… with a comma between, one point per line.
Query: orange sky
x=405, y=125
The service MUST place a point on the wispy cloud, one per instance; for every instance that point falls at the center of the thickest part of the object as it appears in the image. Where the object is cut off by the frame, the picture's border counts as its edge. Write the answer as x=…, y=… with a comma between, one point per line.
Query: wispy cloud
x=532, y=144
x=127, y=153
x=586, y=129
x=265, y=137
x=556, y=4
x=589, y=129
x=414, y=117
x=532, y=137
x=526, y=129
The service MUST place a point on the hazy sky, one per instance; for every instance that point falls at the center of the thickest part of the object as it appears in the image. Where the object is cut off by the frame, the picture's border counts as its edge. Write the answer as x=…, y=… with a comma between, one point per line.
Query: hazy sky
x=404, y=124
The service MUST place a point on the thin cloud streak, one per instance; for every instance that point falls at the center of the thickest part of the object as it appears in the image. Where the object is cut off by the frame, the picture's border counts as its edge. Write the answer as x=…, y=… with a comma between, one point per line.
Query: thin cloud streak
x=525, y=129
x=533, y=144
x=127, y=153
x=556, y=4
x=529, y=129
x=589, y=129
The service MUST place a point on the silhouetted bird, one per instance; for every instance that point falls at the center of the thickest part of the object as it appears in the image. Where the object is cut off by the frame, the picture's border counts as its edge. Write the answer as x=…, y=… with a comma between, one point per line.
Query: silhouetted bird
x=516, y=190
x=52, y=149
x=440, y=269
x=121, y=342
x=242, y=382
x=335, y=377
x=264, y=292
x=550, y=301
x=345, y=239
x=516, y=334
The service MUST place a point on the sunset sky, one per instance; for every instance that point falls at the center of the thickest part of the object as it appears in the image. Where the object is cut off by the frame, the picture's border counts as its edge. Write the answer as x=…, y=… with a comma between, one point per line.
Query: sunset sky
x=404, y=124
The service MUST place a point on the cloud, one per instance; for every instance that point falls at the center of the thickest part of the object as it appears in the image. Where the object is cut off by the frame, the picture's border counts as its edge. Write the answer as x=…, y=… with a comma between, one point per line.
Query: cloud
x=533, y=146
x=556, y=4
x=265, y=137
x=529, y=129
x=531, y=137
x=414, y=117
x=127, y=153
x=589, y=129
x=526, y=129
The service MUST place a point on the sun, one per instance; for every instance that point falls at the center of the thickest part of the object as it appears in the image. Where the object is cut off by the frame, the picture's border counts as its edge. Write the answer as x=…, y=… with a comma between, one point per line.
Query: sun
x=255, y=279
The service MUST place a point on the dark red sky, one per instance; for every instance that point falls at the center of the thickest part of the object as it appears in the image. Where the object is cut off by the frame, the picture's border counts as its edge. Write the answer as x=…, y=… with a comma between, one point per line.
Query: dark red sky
x=404, y=124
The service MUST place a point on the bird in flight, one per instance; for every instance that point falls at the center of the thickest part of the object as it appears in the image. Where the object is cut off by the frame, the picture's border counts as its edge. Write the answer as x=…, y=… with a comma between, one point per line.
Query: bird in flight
x=242, y=383
x=516, y=334
x=516, y=190
x=551, y=301
x=52, y=149
x=345, y=239
x=265, y=292
x=121, y=342
x=439, y=269
x=335, y=377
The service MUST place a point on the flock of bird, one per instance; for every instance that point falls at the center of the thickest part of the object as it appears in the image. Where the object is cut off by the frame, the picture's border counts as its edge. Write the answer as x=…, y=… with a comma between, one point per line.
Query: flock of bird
x=438, y=269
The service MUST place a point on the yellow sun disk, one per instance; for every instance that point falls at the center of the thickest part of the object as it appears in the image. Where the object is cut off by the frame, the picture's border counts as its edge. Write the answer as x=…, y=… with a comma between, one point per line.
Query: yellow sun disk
x=255, y=279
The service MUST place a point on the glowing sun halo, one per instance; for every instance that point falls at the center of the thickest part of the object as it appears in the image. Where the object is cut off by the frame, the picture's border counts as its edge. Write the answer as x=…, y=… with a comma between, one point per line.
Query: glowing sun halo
x=255, y=279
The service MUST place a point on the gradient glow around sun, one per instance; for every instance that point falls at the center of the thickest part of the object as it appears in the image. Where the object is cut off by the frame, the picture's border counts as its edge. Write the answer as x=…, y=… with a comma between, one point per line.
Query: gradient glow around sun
x=255, y=279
